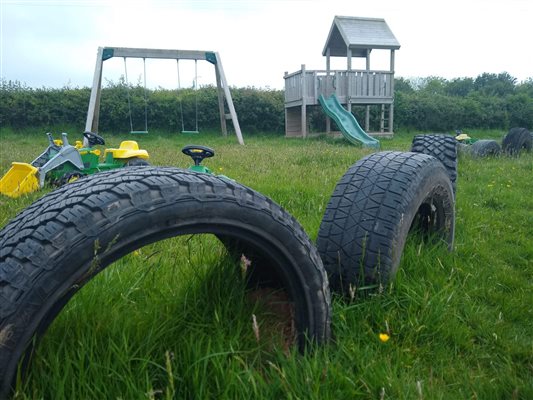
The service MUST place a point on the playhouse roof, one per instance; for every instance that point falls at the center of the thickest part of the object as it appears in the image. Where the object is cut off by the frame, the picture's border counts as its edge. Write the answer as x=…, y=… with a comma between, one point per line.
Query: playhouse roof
x=359, y=34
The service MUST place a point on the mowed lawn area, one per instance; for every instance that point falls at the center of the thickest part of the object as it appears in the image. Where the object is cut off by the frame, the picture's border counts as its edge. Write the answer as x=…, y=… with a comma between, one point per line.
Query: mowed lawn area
x=174, y=320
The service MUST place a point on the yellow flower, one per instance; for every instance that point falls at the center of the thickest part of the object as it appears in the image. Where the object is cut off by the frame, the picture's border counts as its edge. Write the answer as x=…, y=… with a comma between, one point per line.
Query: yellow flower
x=384, y=337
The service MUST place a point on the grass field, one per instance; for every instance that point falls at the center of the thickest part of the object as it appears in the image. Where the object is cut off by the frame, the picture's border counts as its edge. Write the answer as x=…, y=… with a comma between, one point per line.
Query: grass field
x=173, y=320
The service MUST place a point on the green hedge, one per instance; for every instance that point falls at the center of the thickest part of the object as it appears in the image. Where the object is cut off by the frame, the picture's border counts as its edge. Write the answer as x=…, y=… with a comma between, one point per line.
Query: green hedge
x=491, y=101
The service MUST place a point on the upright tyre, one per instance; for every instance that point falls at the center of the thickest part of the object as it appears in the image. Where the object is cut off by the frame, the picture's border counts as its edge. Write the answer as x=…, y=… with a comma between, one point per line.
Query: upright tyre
x=517, y=140
x=485, y=148
x=443, y=148
x=64, y=239
x=377, y=202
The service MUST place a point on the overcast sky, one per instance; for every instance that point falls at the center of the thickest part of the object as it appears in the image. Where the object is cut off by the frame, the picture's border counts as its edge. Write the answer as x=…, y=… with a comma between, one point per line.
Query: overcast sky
x=53, y=43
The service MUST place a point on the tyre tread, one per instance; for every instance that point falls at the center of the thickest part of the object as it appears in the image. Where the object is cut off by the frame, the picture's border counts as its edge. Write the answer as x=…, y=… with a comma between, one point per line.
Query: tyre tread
x=358, y=231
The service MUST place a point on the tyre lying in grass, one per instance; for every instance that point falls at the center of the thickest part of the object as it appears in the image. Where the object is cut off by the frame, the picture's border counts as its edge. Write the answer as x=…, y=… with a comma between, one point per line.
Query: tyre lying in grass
x=462, y=148
x=442, y=147
x=56, y=245
x=516, y=141
x=378, y=201
x=484, y=148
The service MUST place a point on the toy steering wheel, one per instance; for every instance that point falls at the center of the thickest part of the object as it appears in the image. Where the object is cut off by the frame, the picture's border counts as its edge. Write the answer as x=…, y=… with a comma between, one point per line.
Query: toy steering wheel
x=94, y=138
x=197, y=152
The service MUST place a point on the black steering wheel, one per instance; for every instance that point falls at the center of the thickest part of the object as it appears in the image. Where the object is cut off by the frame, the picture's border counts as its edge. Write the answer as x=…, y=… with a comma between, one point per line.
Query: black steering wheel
x=93, y=138
x=197, y=152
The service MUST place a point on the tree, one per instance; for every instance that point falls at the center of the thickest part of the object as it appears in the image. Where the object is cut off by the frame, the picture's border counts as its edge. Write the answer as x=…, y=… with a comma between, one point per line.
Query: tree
x=461, y=87
x=501, y=84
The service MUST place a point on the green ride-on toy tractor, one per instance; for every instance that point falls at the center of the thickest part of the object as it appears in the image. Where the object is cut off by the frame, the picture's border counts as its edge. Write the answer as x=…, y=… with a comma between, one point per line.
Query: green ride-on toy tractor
x=62, y=163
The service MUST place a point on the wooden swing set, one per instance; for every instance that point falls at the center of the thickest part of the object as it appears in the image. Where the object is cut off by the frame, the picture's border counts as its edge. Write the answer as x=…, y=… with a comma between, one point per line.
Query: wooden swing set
x=105, y=53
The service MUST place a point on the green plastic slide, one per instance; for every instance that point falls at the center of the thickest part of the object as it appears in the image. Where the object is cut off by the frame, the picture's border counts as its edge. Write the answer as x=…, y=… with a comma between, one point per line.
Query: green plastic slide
x=347, y=123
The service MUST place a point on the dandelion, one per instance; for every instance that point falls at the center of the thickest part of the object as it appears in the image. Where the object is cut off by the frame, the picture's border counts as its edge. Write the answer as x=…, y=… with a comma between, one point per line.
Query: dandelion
x=384, y=337
x=220, y=169
x=137, y=253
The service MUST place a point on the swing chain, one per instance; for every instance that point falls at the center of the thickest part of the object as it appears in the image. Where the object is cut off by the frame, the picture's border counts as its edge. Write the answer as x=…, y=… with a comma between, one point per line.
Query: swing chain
x=195, y=88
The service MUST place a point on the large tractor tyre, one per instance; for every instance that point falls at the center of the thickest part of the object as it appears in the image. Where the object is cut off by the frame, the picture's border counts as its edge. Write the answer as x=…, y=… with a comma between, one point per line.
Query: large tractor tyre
x=485, y=148
x=375, y=205
x=60, y=242
x=517, y=140
x=442, y=147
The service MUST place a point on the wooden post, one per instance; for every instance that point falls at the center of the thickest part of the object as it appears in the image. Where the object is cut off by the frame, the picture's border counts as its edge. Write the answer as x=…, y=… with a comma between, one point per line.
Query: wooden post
x=325, y=89
x=382, y=119
x=91, y=123
x=304, y=104
x=391, y=117
x=367, y=111
x=285, y=106
x=229, y=100
x=221, y=109
x=349, y=68
x=391, y=108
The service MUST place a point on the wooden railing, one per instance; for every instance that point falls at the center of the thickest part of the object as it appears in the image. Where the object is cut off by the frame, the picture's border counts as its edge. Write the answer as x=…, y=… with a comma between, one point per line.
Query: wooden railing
x=356, y=86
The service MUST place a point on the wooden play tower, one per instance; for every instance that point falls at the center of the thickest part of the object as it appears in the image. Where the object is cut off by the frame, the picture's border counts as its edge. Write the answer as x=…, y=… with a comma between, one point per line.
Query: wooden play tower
x=348, y=37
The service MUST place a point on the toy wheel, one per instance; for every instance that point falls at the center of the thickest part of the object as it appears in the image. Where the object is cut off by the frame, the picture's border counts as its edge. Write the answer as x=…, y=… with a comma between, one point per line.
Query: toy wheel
x=48, y=251
x=137, y=162
x=443, y=148
x=375, y=205
x=485, y=148
x=70, y=177
x=517, y=140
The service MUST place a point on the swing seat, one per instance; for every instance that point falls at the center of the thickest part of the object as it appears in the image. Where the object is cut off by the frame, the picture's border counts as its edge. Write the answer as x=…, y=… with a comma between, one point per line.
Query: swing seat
x=190, y=132
x=138, y=132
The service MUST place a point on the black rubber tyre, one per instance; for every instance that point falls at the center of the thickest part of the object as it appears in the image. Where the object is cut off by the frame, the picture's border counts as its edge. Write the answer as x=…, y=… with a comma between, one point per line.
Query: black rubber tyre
x=443, y=148
x=372, y=210
x=137, y=162
x=463, y=148
x=70, y=177
x=485, y=148
x=48, y=251
x=517, y=140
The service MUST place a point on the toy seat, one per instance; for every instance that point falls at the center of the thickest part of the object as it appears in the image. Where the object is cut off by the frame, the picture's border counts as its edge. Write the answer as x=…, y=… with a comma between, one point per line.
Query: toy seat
x=127, y=149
